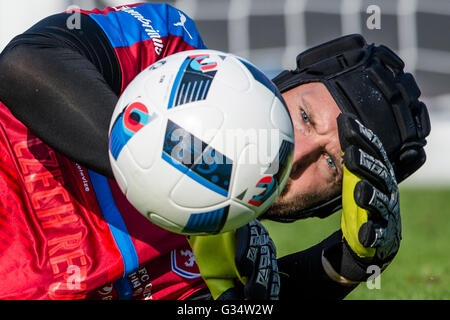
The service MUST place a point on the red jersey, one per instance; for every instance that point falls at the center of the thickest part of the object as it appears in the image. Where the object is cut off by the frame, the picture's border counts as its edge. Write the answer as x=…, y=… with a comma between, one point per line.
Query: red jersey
x=69, y=233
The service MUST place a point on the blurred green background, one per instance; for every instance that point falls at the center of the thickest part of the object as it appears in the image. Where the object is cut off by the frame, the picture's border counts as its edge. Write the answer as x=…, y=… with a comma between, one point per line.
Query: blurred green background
x=421, y=269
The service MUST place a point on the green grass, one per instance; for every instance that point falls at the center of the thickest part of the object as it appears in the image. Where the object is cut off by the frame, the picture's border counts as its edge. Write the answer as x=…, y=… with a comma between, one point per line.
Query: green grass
x=421, y=269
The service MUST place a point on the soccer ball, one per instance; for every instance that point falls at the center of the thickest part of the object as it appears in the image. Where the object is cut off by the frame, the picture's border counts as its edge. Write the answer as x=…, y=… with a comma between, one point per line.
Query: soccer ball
x=201, y=142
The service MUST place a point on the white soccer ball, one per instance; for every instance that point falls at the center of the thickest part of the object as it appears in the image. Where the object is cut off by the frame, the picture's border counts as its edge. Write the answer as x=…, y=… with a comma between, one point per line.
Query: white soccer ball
x=201, y=142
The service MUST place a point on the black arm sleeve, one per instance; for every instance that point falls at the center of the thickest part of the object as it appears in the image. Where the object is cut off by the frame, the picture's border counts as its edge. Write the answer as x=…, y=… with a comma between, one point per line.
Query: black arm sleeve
x=303, y=277
x=63, y=84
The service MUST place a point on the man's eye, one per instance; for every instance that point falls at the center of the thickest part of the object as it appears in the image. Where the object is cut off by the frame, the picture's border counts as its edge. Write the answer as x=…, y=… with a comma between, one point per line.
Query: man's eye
x=331, y=163
x=305, y=117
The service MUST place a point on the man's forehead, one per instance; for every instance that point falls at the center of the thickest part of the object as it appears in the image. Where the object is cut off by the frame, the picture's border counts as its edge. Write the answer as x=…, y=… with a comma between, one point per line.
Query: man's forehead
x=317, y=93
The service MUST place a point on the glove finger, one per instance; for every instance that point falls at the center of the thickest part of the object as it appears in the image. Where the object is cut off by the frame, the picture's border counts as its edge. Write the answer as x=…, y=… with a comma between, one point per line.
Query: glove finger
x=370, y=198
x=276, y=281
x=383, y=235
x=371, y=233
x=373, y=139
x=379, y=204
x=246, y=255
x=384, y=214
x=249, y=239
x=352, y=132
x=366, y=166
x=256, y=260
x=257, y=286
x=390, y=238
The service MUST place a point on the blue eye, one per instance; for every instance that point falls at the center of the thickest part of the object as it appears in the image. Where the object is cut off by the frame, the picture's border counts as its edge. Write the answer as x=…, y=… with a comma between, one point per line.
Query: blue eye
x=305, y=117
x=331, y=163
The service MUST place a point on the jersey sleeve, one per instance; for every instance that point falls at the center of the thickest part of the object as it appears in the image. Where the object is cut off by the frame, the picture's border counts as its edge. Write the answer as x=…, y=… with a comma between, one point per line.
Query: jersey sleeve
x=144, y=33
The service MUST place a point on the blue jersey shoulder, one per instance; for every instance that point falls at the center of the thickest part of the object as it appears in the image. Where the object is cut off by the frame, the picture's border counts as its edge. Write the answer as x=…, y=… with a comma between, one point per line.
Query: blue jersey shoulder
x=129, y=25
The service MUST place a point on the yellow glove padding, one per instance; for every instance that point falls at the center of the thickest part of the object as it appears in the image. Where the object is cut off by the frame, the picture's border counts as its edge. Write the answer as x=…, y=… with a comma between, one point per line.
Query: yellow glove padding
x=353, y=216
x=215, y=256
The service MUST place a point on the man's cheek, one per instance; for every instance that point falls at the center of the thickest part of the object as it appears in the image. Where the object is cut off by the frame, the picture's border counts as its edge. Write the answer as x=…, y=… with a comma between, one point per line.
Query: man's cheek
x=286, y=189
x=299, y=188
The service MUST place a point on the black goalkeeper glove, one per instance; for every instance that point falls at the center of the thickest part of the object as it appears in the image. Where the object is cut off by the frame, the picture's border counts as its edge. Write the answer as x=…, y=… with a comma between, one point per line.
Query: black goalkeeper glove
x=371, y=224
x=256, y=260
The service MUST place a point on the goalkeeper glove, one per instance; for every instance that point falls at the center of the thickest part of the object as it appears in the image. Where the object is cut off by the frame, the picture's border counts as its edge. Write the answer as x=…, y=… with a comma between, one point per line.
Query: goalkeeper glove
x=370, y=222
x=239, y=264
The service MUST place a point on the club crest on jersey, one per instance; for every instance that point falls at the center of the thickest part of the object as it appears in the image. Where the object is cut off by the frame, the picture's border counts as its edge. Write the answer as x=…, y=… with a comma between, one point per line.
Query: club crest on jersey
x=133, y=118
x=183, y=264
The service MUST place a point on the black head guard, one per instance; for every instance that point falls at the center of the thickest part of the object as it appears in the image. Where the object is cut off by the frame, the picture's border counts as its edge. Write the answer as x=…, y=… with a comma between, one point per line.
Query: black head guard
x=368, y=82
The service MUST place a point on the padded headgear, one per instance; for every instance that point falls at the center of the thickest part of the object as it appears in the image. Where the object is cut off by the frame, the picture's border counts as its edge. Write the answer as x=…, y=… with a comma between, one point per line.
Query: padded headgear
x=368, y=82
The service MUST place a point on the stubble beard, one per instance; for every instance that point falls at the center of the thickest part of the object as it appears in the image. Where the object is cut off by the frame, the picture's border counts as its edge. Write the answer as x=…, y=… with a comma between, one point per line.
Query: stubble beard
x=283, y=207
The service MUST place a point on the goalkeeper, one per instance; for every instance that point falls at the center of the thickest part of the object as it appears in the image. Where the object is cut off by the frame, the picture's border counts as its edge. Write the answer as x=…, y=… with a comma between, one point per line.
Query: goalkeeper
x=67, y=231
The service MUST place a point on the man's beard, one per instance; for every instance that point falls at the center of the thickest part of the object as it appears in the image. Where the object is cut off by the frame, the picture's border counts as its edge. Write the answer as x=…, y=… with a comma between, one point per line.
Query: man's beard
x=284, y=208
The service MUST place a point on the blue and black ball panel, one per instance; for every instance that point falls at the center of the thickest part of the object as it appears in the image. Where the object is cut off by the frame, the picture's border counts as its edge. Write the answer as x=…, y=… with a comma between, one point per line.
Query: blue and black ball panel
x=197, y=159
x=133, y=118
x=208, y=222
x=193, y=80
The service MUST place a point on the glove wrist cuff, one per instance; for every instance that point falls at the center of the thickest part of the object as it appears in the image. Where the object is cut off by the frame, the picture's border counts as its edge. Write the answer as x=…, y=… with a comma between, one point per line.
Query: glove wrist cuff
x=334, y=275
x=343, y=266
